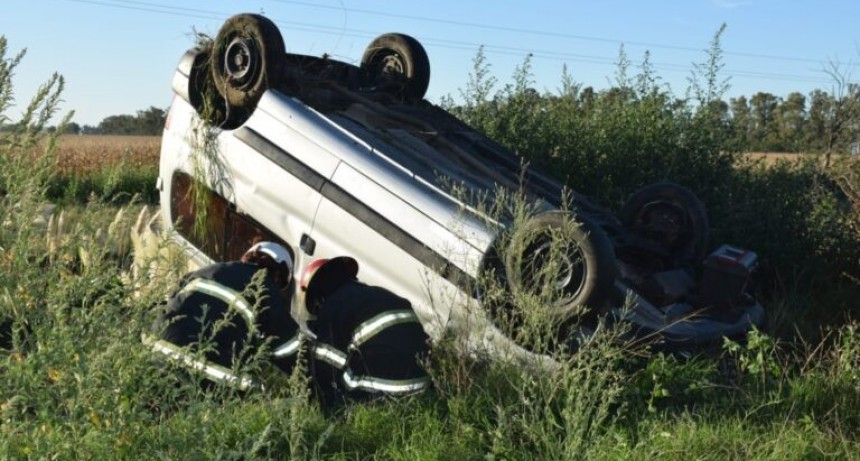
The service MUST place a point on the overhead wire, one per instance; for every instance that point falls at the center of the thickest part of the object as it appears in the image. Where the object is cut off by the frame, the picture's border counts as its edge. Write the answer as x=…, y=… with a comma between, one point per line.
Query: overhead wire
x=544, y=33
x=146, y=6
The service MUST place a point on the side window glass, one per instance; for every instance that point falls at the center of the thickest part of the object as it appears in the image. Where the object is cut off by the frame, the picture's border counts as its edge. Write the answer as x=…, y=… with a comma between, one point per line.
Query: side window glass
x=216, y=228
x=244, y=231
x=200, y=214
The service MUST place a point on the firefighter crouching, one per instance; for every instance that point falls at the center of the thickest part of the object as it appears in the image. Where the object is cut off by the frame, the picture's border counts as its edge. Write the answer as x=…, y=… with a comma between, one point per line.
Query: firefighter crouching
x=222, y=314
x=369, y=342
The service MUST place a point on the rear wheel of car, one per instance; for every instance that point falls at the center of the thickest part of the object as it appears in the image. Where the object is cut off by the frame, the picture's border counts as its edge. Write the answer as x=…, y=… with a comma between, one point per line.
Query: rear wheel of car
x=670, y=216
x=571, y=259
x=398, y=64
x=247, y=57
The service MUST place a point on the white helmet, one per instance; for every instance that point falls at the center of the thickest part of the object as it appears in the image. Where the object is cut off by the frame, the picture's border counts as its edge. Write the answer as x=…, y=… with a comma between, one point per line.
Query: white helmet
x=276, y=252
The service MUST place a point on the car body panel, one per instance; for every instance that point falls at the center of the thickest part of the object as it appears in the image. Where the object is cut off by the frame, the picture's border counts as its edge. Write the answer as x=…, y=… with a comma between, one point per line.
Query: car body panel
x=400, y=187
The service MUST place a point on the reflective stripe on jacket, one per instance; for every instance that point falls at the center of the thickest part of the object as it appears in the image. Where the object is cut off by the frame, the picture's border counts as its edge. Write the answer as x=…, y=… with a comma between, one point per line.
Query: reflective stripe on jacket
x=233, y=309
x=369, y=341
x=388, y=386
x=370, y=328
x=229, y=296
x=212, y=370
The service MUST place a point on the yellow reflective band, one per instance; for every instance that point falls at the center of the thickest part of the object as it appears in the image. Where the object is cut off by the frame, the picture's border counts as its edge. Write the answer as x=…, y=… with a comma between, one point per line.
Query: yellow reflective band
x=214, y=371
x=370, y=328
x=226, y=294
x=329, y=354
x=391, y=386
x=290, y=347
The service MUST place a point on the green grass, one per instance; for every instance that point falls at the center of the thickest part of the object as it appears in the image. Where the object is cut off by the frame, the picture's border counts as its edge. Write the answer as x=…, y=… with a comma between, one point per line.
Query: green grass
x=116, y=184
x=76, y=383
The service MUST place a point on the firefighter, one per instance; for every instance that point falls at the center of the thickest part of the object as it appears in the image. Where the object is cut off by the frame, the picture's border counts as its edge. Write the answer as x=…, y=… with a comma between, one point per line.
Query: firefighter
x=222, y=314
x=369, y=342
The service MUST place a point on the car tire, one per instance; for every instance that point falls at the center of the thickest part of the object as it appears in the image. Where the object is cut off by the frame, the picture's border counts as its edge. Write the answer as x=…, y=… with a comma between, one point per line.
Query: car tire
x=202, y=95
x=670, y=216
x=584, y=280
x=398, y=64
x=247, y=57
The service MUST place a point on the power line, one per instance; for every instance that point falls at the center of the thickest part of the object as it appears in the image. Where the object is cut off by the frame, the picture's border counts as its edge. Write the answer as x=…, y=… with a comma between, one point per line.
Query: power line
x=543, y=32
x=153, y=8
x=442, y=43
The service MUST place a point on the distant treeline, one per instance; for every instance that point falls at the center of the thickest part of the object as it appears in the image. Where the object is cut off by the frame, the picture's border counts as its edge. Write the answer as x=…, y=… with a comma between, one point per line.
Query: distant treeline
x=821, y=121
x=818, y=122
x=149, y=122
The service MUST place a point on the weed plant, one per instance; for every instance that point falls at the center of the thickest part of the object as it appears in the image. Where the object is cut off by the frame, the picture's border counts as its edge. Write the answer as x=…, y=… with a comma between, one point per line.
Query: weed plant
x=117, y=184
x=799, y=217
x=77, y=383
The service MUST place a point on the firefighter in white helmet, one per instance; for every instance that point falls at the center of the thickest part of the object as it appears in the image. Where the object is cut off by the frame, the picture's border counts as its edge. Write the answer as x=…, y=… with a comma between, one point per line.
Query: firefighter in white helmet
x=369, y=342
x=223, y=313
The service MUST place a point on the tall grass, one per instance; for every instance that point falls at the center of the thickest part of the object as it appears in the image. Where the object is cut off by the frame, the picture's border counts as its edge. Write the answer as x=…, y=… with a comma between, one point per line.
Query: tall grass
x=797, y=216
x=116, y=168
x=76, y=383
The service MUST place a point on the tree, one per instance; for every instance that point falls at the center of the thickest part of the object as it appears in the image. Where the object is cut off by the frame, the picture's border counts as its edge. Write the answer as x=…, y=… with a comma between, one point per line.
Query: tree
x=151, y=121
x=842, y=127
x=820, y=112
x=763, y=107
x=73, y=128
x=790, y=120
x=148, y=122
x=742, y=122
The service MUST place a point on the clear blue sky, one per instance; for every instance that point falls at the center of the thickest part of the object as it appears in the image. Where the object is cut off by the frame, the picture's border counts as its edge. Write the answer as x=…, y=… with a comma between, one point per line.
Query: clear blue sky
x=118, y=55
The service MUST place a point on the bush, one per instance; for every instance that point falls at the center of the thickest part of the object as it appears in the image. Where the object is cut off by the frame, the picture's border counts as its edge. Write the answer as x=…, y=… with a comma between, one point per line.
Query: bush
x=607, y=144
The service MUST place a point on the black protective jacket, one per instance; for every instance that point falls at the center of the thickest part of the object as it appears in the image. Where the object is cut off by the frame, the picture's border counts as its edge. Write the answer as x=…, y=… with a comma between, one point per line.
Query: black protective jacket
x=369, y=343
x=230, y=309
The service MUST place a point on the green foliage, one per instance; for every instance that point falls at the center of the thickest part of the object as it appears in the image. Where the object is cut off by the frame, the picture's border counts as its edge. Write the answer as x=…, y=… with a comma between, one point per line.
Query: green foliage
x=149, y=122
x=117, y=184
x=756, y=358
x=75, y=382
x=607, y=144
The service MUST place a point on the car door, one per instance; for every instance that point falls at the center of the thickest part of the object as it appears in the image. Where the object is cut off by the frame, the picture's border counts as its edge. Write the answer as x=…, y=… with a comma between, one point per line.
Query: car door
x=398, y=245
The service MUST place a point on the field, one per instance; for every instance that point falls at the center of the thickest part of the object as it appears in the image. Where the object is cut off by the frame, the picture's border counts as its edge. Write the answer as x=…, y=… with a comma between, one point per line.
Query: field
x=121, y=167
x=76, y=383
x=84, y=154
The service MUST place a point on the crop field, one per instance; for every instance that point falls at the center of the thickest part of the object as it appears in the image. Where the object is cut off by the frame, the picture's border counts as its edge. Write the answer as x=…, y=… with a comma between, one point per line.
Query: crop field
x=77, y=383
x=83, y=154
x=79, y=386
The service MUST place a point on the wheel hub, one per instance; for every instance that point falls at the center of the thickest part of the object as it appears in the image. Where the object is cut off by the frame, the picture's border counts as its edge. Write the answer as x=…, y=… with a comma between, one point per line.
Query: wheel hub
x=570, y=273
x=392, y=64
x=663, y=222
x=241, y=64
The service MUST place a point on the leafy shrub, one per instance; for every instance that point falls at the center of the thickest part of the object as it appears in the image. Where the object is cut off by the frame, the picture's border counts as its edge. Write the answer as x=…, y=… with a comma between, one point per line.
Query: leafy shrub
x=609, y=143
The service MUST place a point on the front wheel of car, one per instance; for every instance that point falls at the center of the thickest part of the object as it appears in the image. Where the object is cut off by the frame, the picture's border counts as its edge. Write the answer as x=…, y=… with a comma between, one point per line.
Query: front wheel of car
x=247, y=57
x=568, y=262
x=398, y=64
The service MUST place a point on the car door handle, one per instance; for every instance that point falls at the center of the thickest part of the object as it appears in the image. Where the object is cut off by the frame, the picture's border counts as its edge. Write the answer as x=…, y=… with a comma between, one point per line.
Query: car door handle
x=307, y=244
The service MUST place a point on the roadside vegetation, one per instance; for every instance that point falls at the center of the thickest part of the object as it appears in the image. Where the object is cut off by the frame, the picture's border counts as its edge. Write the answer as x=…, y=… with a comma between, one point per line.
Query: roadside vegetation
x=75, y=382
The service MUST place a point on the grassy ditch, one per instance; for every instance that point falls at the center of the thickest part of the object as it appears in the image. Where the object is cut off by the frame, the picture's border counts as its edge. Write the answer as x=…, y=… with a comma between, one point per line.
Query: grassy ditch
x=75, y=382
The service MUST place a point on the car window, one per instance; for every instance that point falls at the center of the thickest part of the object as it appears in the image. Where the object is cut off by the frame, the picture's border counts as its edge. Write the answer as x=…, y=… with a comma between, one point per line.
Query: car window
x=216, y=228
x=204, y=227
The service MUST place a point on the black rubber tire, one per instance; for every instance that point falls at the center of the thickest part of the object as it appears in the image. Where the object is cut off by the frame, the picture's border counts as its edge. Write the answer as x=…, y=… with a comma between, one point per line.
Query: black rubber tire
x=670, y=216
x=587, y=276
x=247, y=56
x=398, y=64
x=203, y=96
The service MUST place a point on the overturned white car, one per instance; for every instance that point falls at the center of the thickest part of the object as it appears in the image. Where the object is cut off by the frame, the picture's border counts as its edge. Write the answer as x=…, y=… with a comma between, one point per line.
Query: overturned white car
x=334, y=159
